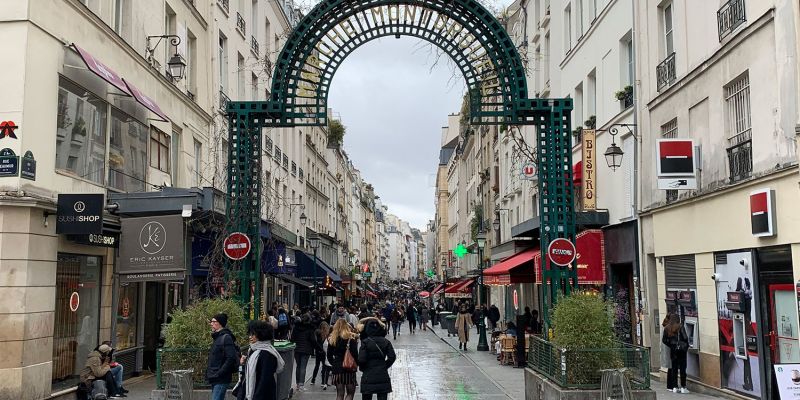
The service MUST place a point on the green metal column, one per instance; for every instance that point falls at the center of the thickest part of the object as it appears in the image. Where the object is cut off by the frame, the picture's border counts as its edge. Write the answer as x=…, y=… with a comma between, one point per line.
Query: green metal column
x=244, y=205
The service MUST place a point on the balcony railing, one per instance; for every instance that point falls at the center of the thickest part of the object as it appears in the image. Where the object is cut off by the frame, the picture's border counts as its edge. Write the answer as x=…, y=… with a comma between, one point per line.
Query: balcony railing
x=240, y=25
x=225, y=5
x=665, y=72
x=627, y=101
x=740, y=157
x=729, y=17
x=254, y=45
x=223, y=101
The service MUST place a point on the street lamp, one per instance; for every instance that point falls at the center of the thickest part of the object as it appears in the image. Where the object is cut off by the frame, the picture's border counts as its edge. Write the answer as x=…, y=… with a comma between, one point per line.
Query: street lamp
x=313, y=242
x=176, y=66
x=303, y=218
x=614, y=153
x=483, y=345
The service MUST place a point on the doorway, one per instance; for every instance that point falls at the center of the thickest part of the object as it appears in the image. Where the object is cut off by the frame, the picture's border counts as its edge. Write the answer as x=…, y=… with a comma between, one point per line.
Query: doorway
x=621, y=286
x=153, y=319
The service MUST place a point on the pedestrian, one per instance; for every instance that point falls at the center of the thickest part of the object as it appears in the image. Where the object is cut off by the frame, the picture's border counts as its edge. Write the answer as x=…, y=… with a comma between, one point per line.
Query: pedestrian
x=342, y=341
x=402, y=318
x=477, y=314
x=424, y=316
x=261, y=365
x=223, y=357
x=666, y=359
x=395, y=318
x=375, y=357
x=411, y=315
x=677, y=340
x=98, y=368
x=352, y=318
x=326, y=365
x=283, y=324
x=534, y=324
x=494, y=316
x=364, y=313
x=321, y=334
x=463, y=323
x=305, y=345
x=340, y=313
x=272, y=320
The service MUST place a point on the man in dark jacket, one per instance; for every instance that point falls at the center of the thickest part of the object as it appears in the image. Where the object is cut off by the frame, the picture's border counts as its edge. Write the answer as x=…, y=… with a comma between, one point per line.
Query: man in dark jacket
x=222, y=358
x=494, y=316
x=306, y=344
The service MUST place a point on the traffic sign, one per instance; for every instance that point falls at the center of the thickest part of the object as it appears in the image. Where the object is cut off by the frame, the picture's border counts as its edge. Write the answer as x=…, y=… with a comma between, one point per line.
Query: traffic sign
x=561, y=252
x=237, y=246
x=366, y=274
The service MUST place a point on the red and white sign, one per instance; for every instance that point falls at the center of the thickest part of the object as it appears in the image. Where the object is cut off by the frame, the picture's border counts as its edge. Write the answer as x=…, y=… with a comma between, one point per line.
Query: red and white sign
x=762, y=215
x=74, y=301
x=365, y=267
x=516, y=300
x=675, y=168
x=561, y=252
x=237, y=246
x=529, y=172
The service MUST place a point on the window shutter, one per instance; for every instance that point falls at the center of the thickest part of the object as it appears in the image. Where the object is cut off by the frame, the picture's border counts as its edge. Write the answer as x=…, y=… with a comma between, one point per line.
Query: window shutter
x=679, y=272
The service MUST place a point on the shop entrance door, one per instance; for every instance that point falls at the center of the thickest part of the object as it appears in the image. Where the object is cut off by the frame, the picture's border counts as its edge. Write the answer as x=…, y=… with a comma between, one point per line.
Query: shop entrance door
x=784, y=338
x=153, y=318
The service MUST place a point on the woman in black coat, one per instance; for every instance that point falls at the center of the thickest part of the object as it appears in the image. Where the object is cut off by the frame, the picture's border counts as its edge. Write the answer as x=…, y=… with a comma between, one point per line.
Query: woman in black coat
x=342, y=340
x=306, y=344
x=261, y=365
x=375, y=357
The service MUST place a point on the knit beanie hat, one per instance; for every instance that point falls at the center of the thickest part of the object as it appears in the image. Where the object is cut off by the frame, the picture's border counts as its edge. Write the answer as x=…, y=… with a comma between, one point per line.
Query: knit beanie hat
x=222, y=318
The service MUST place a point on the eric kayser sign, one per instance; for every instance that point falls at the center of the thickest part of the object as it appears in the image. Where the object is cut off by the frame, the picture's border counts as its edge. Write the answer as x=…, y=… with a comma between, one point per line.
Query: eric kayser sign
x=151, y=244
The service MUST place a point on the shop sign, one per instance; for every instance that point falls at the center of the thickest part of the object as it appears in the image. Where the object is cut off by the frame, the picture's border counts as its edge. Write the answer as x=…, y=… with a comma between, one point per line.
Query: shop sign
x=95, y=239
x=589, y=150
x=7, y=129
x=171, y=276
x=528, y=172
x=28, y=166
x=151, y=245
x=74, y=301
x=762, y=213
x=788, y=377
x=79, y=214
x=9, y=163
x=516, y=300
x=675, y=168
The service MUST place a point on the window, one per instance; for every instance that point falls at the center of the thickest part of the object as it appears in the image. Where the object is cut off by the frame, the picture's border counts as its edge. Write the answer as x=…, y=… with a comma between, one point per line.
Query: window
x=254, y=84
x=300, y=174
x=738, y=128
x=171, y=24
x=240, y=76
x=668, y=41
x=223, y=63
x=579, y=18
x=267, y=32
x=278, y=155
x=127, y=315
x=670, y=131
x=75, y=334
x=268, y=146
x=578, y=104
x=191, y=59
x=285, y=162
x=567, y=29
x=254, y=18
x=127, y=158
x=628, y=60
x=175, y=146
x=159, y=150
x=546, y=59
x=294, y=168
x=198, y=159
x=120, y=12
x=81, y=132
x=591, y=95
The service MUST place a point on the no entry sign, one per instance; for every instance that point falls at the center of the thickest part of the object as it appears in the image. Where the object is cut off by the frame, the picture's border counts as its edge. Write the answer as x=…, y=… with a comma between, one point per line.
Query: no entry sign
x=237, y=246
x=561, y=252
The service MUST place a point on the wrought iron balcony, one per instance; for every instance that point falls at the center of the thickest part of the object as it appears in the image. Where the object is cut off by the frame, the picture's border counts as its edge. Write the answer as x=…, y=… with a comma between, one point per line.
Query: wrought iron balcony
x=225, y=5
x=740, y=157
x=729, y=17
x=254, y=45
x=223, y=101
x=665, y=72
x=240, y=25
x=627, y=101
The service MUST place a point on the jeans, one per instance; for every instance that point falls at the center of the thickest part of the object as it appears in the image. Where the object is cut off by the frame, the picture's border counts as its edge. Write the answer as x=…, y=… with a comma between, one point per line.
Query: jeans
x=301, y=360
x=326, y=372
x=678, y=365
x=320, y=361
x=117, y=373
x=395, y=328
x=218, y=391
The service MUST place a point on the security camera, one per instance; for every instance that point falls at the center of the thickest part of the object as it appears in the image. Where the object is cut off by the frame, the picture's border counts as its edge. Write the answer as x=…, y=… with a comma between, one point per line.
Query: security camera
x=716, y=276
x=743, y=262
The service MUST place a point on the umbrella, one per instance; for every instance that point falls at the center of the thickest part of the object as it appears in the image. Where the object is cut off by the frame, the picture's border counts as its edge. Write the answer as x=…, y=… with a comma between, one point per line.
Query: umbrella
x=424, y=294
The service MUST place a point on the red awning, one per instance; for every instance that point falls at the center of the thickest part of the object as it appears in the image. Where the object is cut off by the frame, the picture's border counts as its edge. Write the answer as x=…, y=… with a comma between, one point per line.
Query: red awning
x=102, y=70
x=512, y=269
x=577, y=173
x=437, y=289
x=147, y=102
x=591, y=258
x=460, y=289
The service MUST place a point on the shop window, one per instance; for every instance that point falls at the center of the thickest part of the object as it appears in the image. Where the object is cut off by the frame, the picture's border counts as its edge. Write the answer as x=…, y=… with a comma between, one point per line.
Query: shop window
x=127, y=316
x=159, y=150
x=81, y=132
x=75, y=333
x=128, y=153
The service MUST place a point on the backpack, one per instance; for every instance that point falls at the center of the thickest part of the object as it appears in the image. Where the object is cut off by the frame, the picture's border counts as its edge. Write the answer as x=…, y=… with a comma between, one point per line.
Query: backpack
x=283, y=320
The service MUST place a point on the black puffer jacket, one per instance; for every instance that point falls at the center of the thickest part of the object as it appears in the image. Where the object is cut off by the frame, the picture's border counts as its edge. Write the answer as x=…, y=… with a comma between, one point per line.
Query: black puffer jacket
x=222, y=358
x=304, y=338
x=375, y=357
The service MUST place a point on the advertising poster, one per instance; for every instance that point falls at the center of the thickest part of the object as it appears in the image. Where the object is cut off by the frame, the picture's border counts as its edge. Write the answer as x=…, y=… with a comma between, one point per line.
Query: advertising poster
x=788, y=377
x=738, y=332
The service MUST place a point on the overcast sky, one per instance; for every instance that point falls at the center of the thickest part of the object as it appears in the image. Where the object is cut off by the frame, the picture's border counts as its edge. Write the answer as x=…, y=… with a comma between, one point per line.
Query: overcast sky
x=394, y=101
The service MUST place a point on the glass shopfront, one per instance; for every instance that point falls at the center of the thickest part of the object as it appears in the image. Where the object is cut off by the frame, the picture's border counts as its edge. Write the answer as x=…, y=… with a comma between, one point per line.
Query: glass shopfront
x=127, y=316
x=77, y=316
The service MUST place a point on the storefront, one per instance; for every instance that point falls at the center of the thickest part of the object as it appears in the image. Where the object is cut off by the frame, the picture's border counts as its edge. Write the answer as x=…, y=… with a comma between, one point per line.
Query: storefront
x=509, y=276
x=318, y=275
x=621, y=258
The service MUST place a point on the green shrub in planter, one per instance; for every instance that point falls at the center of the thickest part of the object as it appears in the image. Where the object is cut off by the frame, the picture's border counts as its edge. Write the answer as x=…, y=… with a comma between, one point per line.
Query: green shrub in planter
x=582, y=325
x=188, y=335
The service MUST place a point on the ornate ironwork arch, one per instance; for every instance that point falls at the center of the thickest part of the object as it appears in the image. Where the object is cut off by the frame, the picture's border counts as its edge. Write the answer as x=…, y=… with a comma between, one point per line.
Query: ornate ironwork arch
x=496, y=82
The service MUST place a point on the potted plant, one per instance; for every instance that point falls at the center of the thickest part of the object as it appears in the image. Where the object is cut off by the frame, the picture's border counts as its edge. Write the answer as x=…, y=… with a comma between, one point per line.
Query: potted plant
x=591, y=122
x=626, y=92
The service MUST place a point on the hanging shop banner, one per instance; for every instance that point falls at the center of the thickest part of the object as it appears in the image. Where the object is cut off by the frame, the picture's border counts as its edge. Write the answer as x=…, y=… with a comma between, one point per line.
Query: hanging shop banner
x=80, y=214
x=7, y=129
x=588, y=194
x=738, y=330
x=762, y=213
x=590, y=258
x=152, y=245
x=675, y=168
x=28, y=170
x=9, y=163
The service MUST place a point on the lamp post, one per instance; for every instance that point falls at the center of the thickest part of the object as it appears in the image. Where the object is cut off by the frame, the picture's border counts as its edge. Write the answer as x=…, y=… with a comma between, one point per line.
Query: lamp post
x=483, y=345
x=313, y=242
x=176, y=66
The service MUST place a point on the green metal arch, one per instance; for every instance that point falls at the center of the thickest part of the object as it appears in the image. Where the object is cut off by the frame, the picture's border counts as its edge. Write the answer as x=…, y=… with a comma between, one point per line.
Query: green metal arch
x=492, y=60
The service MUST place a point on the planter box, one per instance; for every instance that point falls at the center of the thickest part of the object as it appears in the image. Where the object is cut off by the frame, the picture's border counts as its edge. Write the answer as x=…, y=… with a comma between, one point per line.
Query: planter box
x=537, y=387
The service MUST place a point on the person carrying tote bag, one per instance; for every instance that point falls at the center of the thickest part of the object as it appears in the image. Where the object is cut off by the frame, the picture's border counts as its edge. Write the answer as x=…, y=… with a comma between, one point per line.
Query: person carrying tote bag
x=342, y=353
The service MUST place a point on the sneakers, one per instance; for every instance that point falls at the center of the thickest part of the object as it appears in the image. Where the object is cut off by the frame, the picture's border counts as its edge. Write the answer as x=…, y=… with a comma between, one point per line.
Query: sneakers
x=684, y=390
x=324, y=387
x=676, y=390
